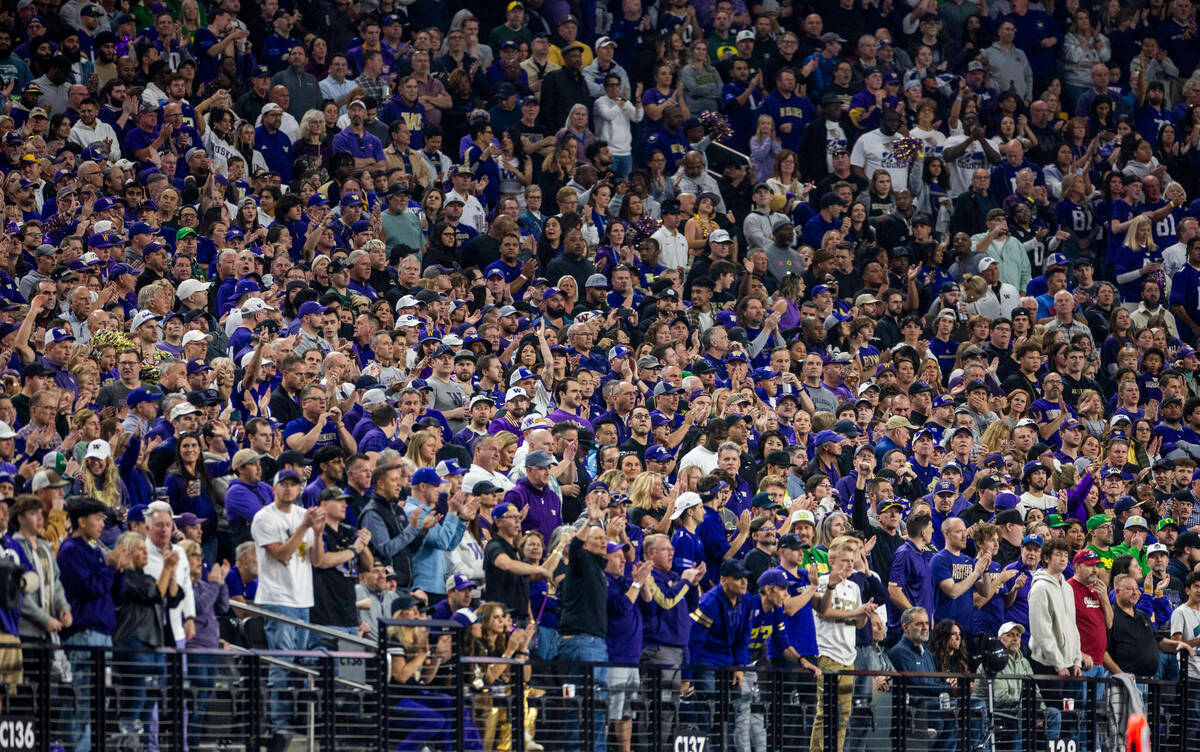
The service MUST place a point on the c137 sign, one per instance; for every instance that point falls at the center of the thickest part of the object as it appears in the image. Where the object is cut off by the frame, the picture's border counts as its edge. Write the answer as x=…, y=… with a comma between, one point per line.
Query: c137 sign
x=690, y=744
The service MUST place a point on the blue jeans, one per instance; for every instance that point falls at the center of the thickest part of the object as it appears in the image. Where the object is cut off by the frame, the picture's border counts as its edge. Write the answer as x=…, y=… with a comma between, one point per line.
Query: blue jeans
x=203, y=670
x=622, y=166
x=281, y=636
x=586, y=649
x=139, y=668
x=80, y=721
x=1008, y=737
x=927, y=713
x=546, y=644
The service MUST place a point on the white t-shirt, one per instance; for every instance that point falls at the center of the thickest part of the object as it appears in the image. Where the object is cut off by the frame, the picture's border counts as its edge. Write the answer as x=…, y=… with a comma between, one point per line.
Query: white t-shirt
x=700, y=457
x=972, y=159
x=835, y=639
x=279, y=584
x=1044, y=502
x=1186, y=621
x=873, y=151
x=933, y=141
x=835, y=138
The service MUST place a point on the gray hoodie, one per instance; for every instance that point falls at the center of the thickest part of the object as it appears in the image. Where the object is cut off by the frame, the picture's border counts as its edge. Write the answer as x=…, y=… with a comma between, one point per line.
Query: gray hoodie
x=1053, y=634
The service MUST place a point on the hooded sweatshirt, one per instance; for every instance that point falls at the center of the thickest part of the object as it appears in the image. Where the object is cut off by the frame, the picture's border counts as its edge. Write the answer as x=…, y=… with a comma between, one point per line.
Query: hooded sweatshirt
x=1054, y=636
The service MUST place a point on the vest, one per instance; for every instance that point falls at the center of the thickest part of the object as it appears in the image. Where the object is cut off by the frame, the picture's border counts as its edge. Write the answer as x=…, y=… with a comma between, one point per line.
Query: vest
x=401, y=561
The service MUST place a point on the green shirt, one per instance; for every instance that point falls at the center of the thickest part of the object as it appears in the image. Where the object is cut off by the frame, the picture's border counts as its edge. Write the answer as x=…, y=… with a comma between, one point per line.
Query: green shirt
x=402, y=229
x=1106, y=555
x=817, y=556
x=502, y=34
x=1137, y=553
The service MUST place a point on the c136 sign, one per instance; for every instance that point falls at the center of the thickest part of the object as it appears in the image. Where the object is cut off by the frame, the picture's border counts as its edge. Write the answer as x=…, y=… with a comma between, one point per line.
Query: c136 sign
x=690, y=744
x=16, y=734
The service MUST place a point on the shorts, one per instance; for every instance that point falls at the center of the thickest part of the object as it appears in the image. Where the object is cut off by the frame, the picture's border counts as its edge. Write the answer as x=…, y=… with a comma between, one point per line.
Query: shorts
x=623, y=687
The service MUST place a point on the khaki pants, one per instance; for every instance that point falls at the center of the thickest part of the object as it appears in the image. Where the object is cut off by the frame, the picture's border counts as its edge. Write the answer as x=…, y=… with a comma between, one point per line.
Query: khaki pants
x=845, y=690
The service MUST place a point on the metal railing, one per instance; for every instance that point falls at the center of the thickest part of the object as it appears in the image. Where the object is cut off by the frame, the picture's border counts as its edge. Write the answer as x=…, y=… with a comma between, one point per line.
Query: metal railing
x=117, y=699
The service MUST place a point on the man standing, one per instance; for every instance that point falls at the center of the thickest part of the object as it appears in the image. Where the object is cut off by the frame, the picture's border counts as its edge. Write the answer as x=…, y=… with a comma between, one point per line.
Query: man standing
x=957, y=578
x=564, y=88
x=429, y=562
x=87, y=579
x=841, y=612
x=290, y=543
x=356, y=140
x=998, y=244
x=1133, y=644
x=393, y=533
x=1093, y=613
x=505, y=572
x=305, y=91
x=1053, y=636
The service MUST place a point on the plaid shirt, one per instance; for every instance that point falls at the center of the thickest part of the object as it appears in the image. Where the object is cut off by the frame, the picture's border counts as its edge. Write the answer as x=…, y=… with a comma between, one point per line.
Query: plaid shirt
x=377, y=88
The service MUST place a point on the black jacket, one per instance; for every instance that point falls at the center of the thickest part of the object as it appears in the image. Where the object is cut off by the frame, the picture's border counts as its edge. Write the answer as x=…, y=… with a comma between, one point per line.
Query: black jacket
x=970, y=213
x=561, y=90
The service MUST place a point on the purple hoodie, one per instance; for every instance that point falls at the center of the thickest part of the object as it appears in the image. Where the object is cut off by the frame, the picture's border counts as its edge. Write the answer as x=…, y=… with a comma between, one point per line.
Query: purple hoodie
x=545, y=507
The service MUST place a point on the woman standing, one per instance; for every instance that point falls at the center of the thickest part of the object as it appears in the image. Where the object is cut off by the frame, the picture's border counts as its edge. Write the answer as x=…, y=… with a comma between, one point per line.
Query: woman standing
x=190, y=487
x=141, y=602
x=1138, y=259
x=700, y=81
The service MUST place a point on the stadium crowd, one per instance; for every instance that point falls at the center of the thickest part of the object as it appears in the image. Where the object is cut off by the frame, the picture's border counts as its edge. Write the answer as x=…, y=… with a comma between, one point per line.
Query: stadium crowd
x=704, y=334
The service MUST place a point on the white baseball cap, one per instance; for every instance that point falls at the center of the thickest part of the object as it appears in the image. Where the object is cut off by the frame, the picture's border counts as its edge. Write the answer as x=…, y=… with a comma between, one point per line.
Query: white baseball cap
x=142, y=317
x=183, y=408
x=194, y=336
x=255, y=305
x=190, y=287
x=1009, y=626
x=98, y=450
x=686, y=501
x=985, y=262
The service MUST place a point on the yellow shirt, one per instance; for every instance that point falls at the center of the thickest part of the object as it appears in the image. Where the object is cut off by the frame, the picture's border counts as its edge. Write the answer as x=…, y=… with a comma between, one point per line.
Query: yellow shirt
x=555, y=55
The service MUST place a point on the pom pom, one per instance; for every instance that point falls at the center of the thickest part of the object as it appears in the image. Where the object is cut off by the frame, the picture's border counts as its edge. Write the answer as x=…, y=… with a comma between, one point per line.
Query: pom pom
x=716, y=126
x=907, y=149
x=777, y=202
x=643, y=227
x=105, y=338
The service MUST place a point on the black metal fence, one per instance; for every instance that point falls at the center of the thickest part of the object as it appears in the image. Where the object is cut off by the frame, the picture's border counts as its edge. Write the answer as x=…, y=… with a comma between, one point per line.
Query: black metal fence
x=248, y=699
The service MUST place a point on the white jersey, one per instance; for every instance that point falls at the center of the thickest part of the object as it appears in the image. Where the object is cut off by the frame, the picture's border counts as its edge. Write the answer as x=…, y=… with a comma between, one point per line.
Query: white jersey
x=971, y=160
x=873, y=151
x=835, y=639
x=280, y=584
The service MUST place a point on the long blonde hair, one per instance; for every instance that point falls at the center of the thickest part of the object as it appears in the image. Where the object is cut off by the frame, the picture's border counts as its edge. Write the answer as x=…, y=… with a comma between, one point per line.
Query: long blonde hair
x=110, y=493
x=1136, y=224
x=641, y=494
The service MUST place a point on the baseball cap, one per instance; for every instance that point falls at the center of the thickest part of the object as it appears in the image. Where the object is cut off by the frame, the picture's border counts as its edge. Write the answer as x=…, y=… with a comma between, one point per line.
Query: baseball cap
x=1086, y=556
x=1136, y=521
x=427, y=475
x=1009, y=626
x=687, y=500
x=733, y=568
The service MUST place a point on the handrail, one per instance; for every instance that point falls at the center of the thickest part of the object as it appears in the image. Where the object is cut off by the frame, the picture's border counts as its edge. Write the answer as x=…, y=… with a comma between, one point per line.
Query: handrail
x=731, y=150
x=318, y=628
x=305, y=670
